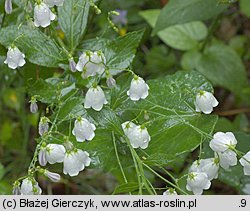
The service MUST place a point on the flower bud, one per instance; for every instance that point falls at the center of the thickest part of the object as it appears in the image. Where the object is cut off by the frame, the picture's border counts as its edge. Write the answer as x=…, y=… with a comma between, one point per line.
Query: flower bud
x=72, y=65
x=16, y=189
x=54, y=177
x=8, y=6
x=42, y=157
x=43, y=126
x=111, y=82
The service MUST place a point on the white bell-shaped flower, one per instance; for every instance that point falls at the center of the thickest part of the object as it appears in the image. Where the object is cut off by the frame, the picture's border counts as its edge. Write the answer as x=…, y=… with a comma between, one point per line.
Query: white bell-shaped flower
x=30, y=187
x=227, y=158
x=205, y=102
x=127, y=127
x=137, y=135
x=43, y=15
x=15, y=58
x=52, y=3
x=75, y=161
x=245, y=162
x=170, y=192
x=222, y=141
x=55, y=153
x=209, y=166
x=83, y=130
x=138, y=89
x=197, y=182
x=95, y=98
x=91, y=63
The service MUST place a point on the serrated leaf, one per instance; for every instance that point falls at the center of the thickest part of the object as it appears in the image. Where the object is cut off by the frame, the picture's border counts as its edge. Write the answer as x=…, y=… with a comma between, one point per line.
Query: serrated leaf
x=183, y=11
x=37, y=47
x=126, y=188
x=174, y=126
x=121, y=51
x=73, y=17
x=182, y=36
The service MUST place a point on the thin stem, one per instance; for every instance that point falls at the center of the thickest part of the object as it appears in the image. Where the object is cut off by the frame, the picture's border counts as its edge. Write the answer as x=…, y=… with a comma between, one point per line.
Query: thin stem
x=165, y=180
x=118, y=159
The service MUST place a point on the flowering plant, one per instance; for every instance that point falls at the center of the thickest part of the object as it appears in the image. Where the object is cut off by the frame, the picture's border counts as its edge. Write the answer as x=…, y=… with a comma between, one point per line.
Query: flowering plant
x=92, y=108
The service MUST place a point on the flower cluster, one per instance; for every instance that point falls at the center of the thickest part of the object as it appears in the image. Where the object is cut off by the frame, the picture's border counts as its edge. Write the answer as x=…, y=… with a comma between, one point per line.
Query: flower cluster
x=203, y=171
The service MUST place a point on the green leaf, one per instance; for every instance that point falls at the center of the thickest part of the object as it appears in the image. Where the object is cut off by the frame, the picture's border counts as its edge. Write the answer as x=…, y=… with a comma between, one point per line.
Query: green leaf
x=173, y=124
x=37, y=47
x=73, y=17
x=182, y=37
x=223, y=66
x=120, y=52
x=126, y=188
x=183, y=11
x=71, y=108
x=245, y=7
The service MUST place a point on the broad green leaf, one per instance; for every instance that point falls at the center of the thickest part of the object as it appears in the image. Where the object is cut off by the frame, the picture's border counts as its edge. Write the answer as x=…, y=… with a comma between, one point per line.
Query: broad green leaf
x=183, y=11
x=223, y=66
x=37, y=47
x=183, y=36
x=189, y=59
x=71, y=108
x=120, y=52
x=73, y=17
x=126, y=188
x=245, y=7
x=173, y=124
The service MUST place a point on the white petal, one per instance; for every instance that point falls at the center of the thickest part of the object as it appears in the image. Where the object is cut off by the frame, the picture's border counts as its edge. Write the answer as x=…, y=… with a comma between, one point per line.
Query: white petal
x=55, y=153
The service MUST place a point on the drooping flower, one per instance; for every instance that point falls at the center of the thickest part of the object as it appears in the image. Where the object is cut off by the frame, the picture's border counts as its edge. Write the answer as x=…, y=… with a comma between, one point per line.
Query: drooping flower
x=52, y=3
x=222, y=141
x=54, y=177
x=83, y=130
x=91, y=63
x=15, y=58
x=245, y=162
x=137, y=135
x=209, y=166
x=197, y=182
x=127, y=127
x=43, y=15
x=8, y=6
x=43, y=126
x=30, y=187
x=138, y=89
x=205, y=102
x=75, y=161
x=170, y=192
x=95, y=98
x=227, y=158
x=52, y=153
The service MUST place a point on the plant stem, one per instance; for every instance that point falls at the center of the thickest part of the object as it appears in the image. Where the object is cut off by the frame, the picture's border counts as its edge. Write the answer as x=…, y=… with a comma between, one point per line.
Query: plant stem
x=118, y=159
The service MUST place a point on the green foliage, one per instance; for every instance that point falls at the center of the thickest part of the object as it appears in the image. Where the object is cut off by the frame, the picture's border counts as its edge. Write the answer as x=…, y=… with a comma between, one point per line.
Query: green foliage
x=73, y=17
x=182, y=37
x=183, y=11
x=38, y=48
